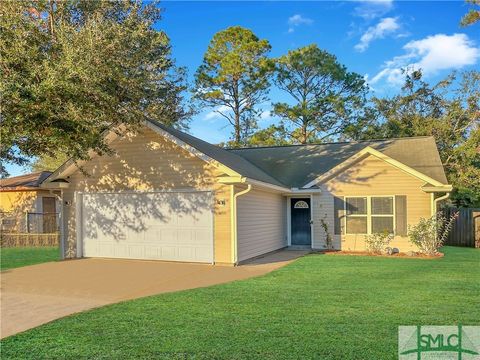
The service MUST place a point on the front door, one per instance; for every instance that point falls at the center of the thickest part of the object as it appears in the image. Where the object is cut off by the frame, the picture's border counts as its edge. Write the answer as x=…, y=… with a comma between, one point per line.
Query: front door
x=300, y=213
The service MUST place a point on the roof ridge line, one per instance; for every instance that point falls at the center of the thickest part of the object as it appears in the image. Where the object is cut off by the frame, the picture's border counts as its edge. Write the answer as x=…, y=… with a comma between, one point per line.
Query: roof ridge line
x=327, y=143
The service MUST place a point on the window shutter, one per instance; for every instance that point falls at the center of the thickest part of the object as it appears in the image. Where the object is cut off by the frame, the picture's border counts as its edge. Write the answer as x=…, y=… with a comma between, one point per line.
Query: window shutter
x=339, y=214
x=401, y=215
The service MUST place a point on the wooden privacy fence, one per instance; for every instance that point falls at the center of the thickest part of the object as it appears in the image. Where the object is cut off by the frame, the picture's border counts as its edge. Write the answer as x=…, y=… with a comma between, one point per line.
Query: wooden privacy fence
x=466, y=228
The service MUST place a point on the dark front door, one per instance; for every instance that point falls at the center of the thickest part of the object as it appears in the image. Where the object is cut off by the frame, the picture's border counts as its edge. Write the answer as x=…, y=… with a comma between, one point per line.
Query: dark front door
x=300, y=213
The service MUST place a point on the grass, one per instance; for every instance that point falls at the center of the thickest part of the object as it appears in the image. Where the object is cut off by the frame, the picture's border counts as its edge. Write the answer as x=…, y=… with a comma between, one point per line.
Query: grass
x=320, y=306
x=16, y=257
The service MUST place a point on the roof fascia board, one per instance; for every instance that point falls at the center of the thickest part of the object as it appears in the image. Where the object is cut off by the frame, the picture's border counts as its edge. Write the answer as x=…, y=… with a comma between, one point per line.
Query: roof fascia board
x=434, y=189
x=305, y=191
x=244, y=180
x=231, y=179
x=55, y=185
x=371, y=151
x=259, y=183
x=19, y=189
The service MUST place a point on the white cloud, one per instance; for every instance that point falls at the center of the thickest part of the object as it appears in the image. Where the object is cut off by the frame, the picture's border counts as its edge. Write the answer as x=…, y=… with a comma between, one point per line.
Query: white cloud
x=214, y=114
x=371, y=9
x=297, y=20
x=431, y=54
x=384, y=27
x=265, y=115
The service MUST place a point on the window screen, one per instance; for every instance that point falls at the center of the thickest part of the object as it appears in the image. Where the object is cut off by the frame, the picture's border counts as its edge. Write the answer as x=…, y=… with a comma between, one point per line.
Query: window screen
x=356, y=224
x=382, y=214
x=357, y=206
x=382, y=224
x=357, y=220
x=382, y=205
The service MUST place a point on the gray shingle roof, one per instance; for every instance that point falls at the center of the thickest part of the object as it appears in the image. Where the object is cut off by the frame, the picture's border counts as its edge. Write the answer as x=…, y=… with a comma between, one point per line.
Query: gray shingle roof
x=297, y=165
x=32, y=180
x=225, y=157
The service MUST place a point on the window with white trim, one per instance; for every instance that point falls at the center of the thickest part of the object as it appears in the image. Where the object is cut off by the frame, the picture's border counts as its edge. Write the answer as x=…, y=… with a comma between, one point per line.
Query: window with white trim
x=357, y=215
x=370, y=214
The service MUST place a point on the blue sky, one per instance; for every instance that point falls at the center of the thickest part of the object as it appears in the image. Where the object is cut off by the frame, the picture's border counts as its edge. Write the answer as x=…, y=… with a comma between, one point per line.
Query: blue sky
x=373, y=38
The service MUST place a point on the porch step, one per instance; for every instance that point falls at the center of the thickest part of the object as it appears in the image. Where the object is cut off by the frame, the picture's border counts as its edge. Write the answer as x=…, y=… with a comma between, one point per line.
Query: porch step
x=299, y=247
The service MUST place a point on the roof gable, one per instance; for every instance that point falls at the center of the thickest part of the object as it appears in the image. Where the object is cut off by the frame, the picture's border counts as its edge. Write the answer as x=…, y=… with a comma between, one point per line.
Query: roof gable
x=299, y=165
x=340, y=168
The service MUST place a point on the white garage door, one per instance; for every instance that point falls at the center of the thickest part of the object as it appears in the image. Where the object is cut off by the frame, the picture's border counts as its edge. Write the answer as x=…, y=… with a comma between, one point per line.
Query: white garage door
x=176, y=226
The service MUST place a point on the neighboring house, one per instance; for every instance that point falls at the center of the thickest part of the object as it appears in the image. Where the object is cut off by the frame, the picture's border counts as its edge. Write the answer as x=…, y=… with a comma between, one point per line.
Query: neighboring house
x=25, y=206
x=170, y=196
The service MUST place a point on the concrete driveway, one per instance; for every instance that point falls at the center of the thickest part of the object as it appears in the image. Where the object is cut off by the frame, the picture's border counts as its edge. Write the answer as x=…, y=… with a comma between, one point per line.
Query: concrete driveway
x=34, y=295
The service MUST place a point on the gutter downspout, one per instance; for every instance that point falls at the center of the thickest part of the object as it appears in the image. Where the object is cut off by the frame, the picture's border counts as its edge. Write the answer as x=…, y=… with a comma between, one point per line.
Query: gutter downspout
x=435, y=202
x=234, y=222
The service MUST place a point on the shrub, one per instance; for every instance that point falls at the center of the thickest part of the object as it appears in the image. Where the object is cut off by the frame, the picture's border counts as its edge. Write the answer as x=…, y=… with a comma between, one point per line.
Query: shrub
x=328, y=237
x=378, y=242
x=430, y=234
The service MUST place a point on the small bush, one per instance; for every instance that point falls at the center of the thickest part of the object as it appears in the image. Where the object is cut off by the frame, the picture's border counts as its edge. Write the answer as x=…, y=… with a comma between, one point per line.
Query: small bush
x=430, y=234
x=377, y=243
x=328, y=237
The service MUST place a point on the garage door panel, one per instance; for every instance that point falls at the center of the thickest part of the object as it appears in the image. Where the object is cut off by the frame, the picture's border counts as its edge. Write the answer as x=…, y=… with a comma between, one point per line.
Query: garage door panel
x=136, y=252
x=164, y=226
x=105, y=249
x=119, y=250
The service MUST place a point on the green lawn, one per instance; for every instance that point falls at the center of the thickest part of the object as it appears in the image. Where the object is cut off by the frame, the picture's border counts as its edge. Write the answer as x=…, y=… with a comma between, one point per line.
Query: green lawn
x=16, y=257
x=321, y=306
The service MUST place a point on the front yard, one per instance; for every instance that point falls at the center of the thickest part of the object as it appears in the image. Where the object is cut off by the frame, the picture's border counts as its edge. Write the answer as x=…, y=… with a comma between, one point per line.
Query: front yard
x=17, y=257
x=321, y=306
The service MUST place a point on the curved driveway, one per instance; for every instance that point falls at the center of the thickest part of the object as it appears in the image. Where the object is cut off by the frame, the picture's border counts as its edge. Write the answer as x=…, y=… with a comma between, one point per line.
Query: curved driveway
x=34, y=295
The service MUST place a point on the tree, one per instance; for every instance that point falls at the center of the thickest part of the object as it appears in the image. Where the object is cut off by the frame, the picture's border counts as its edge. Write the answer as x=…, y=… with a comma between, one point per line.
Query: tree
x=233, y=79
x=450, y=111
x=273, y=135
x=327, y=98
x=48, y=163
x=473, y=15
x=72, y=69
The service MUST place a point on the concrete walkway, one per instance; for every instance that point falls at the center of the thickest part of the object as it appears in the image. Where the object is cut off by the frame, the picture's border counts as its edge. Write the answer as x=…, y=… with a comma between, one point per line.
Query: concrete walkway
x=35, y=295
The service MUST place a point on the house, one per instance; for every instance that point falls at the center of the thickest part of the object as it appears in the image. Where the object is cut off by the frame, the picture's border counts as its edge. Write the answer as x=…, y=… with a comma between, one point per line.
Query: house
x=25, y=206
x=170, y=196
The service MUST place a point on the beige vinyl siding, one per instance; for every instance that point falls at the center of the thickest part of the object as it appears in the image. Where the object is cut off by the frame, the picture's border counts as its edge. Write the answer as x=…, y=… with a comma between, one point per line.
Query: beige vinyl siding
x=148, y=162
x=18, y=202
x=322, y=209
x=369, y=177
x=222, y=224
x=16, y=205
x=260, y=223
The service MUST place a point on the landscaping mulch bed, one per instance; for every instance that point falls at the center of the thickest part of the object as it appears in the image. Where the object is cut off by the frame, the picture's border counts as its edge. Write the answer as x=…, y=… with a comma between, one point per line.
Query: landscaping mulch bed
x=365, y=253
